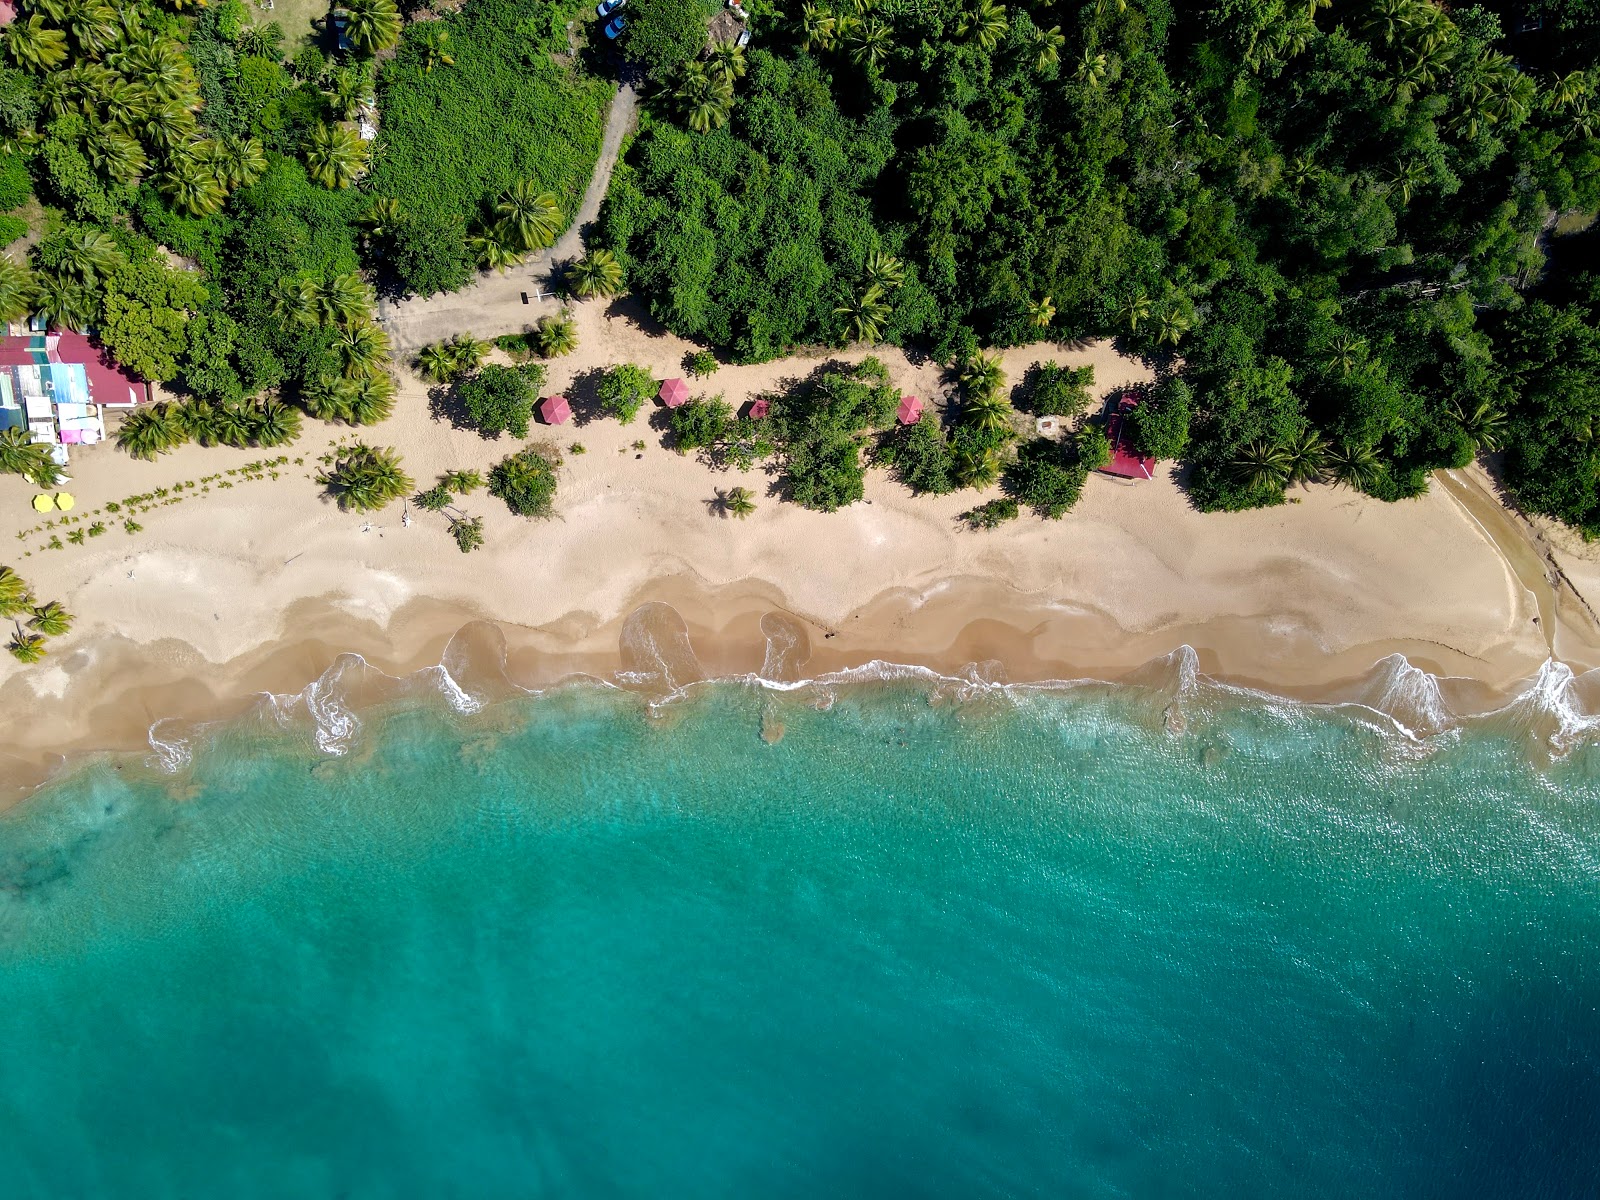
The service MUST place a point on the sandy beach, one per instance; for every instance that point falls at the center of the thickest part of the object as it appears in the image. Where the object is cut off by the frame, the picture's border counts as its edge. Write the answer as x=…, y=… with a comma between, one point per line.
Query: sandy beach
x=261, y=585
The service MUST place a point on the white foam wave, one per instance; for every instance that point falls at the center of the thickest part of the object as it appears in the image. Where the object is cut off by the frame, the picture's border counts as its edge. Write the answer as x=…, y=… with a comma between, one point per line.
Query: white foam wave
x=170, y=754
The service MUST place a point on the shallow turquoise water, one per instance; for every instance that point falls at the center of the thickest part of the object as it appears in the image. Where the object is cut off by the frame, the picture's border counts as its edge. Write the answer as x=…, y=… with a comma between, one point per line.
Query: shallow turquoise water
x=1030, y=944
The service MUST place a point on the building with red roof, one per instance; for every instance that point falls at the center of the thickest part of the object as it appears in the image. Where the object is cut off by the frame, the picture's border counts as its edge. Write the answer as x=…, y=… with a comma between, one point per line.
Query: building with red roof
x=1126, y=462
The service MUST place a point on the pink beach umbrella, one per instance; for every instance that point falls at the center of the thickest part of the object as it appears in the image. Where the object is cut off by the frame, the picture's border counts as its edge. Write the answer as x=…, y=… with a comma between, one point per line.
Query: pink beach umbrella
x=910, y=410
x=555, y=410
x=760, y=409
x=674, y=392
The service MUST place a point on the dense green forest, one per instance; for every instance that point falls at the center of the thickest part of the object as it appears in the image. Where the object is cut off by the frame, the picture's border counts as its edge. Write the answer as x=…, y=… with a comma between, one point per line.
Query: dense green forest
x=1325, y=219
x=208, y=200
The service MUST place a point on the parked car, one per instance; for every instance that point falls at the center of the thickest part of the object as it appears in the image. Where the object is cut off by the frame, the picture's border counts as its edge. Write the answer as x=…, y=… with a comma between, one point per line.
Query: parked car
x=606, y=7
x=744, y=38
x=618, y=24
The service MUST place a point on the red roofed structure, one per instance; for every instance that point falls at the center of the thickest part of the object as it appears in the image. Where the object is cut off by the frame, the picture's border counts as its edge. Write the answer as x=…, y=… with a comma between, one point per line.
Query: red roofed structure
x=910, y=410
x=555, y=410
x=1126, y=462
x=674, y=392
x=110, y=383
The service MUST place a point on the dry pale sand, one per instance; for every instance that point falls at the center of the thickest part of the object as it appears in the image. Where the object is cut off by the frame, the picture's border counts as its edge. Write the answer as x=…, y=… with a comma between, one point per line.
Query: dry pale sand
x=260, y=586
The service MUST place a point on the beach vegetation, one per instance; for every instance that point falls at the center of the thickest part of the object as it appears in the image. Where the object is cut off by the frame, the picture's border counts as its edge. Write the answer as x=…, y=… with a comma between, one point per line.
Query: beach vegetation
x=462, y=482
x=597, y=273
x=738, y=502
x=468, y=533
x=624, y=389
x=499, y=400
x=991, y=514
x=1160, y=424
x=27, y=647
x=15, y=595
x=556, y=335
x=51, y=618
x=820, y=427
x=663, y=35
x=435, y=499
x=526, y=481
x=363, y=478
x=701, y=364
x=19, y=455
x=1053, y=390
x=1047, y=477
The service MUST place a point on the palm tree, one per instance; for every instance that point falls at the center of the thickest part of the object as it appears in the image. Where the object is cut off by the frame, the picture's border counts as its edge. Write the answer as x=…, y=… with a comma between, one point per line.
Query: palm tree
x=169, y=125
x=147, y=432
x=885, y=270
x=26, y=647
x=737, y=502
x=462, y=482
x=1406, y=178
x=16, y=290
x=51, y=619
x=365, y=479
x=93, y=26
x=985, y=23
x=343, y=299
x=1041, y=313
x=362, y=348
x=865, y=314
x=988, y=412
x=982, y=375
x=1135, y=309
x=1047, y=45
x=63, y=303
x=437, y=362
x=819, y=28
x=380, y=218
x=1307, y=454
x=1567, y=90
x=20, y=455
x=494, y=249
x=351, y=88
x=1389, y=19
x=372, y=25
x=261, y=41
x=328, y=397
x=117, y=154
x=869, y=43
x=1091, y=69
x=161, y=68
x=14, y=594
x=276, y=424
x=1173, y=323
x=468, y=352
x=974, y=468
x=234, y=424
x=557, y=335
x=191, y=185
x=1355, y=466
x=597, y=273
x=533, y=217
x=1344, y=353
x=1485, y=423
x=34, y=46
x=433, y=43
x=127, y=105
x=1261, y=466
x=370, y=398
x=725, y=61
x=91, y=254
x=240, y=161
x=704, y=100
x=336, y=156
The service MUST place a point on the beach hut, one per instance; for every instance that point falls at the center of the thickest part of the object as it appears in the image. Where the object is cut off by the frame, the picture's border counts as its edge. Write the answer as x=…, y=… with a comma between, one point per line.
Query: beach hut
x=555, y=410
x=760, y=409
x=674, y=392
x=910, y=410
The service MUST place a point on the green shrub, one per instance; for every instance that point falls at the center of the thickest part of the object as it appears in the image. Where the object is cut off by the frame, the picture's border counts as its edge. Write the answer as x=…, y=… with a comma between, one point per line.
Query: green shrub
x=1160, y=425
x=819, y=427
x=435, y=499
x=992, y=514
x=1044, y=480
x=662, y=34
x=699, y=423
x=1059, y=391
x=624, y=390
x=920, y=456
x=498, y=400
x=526, y=481
x=701, y=364
x=468, y=532
x=16, y=185
x=11, y=228
x=1093, y=447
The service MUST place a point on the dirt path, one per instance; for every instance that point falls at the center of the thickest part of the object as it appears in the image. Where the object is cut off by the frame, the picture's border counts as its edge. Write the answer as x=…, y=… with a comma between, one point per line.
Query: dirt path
x=499, y=302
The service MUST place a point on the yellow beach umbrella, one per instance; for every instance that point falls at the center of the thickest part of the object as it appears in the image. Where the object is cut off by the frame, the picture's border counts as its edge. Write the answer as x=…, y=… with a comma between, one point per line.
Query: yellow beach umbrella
x=64, y=501
x=43, y=503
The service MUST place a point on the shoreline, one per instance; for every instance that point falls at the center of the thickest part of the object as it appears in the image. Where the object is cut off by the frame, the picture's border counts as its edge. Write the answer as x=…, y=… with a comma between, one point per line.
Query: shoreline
x=674, y=634
x=257, y=584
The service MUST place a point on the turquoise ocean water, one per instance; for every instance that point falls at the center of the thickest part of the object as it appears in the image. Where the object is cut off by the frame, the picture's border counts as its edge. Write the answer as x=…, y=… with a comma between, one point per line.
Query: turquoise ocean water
x=997, y=943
